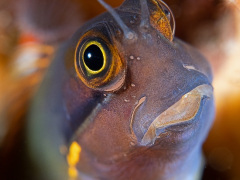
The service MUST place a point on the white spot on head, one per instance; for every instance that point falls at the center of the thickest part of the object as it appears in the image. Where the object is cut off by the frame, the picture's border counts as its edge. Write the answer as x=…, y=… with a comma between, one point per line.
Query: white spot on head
x=132, y=143
x=130, y=35
x=189, y=67
x=127, y=100
x=138, y=58
x=131, y=57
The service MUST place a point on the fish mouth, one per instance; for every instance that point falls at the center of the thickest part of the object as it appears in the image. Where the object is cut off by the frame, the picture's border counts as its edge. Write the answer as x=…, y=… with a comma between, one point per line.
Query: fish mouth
x=182, y=112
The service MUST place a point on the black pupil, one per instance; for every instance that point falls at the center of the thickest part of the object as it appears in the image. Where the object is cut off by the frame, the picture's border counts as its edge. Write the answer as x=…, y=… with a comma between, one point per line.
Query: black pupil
x=166, y=12
x=93, y=58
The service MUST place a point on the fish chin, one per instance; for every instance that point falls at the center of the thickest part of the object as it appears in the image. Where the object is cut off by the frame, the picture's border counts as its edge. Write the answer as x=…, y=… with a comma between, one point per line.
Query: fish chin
x=181, y=112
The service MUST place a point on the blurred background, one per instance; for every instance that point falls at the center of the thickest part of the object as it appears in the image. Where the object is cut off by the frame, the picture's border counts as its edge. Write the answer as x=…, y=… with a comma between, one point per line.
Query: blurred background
x=31, y=31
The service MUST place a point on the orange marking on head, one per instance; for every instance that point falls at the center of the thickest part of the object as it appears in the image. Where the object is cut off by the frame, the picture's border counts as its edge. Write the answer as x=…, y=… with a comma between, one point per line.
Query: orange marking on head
x=73, y=158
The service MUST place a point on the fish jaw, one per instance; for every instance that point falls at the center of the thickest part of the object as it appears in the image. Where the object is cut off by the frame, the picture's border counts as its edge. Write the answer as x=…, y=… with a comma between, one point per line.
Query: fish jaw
x=183, y=111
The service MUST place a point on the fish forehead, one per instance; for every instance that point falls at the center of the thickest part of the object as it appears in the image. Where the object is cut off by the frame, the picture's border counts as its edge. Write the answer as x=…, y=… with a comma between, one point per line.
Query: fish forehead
x=130, y=13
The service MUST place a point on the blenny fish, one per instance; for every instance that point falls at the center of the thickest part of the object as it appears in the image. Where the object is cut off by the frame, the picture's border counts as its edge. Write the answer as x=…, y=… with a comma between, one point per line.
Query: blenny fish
x=123, y=99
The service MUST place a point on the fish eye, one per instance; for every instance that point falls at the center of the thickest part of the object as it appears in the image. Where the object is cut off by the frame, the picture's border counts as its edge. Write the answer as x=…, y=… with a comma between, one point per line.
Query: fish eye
x=163, y=20
x=98, y=63
x=94, y=57
x=169, y=14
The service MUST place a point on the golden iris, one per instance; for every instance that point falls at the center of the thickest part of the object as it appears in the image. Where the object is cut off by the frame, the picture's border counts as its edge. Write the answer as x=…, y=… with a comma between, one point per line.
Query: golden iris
x=98, y=63
x=94, y=57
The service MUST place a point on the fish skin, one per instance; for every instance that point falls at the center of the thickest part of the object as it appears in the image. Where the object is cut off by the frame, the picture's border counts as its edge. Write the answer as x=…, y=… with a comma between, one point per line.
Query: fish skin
x=109, y=148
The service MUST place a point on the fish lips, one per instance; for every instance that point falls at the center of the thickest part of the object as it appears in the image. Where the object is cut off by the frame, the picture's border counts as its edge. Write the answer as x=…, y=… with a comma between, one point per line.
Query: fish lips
x=179, y=120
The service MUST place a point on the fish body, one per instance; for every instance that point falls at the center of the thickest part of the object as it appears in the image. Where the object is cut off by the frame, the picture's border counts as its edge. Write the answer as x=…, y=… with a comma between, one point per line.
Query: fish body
x=140, y=110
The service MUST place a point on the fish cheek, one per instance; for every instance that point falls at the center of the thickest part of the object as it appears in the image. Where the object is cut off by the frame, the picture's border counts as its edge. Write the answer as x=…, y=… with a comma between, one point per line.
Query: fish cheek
x=78, y=103
x=108, y=137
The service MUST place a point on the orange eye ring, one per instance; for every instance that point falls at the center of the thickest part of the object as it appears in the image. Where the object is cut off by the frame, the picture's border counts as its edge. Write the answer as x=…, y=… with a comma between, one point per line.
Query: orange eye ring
x=108, y=73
